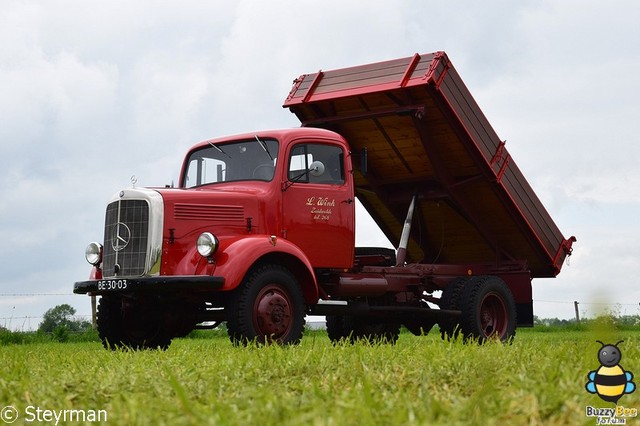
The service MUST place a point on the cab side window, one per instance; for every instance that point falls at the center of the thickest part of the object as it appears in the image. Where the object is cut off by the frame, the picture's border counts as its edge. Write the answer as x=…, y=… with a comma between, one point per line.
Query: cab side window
x=316, y=163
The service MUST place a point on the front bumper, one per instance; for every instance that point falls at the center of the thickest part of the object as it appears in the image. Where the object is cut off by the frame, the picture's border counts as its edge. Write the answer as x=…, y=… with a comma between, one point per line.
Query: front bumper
x=164, y=284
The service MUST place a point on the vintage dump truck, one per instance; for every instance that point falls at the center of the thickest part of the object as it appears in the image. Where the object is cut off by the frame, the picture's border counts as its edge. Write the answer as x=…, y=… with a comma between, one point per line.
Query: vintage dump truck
x=260, y=231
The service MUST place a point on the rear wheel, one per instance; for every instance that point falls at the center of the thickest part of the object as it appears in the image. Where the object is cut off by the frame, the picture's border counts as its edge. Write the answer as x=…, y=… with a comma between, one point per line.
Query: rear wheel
x=268, y=307
x=488, y=310
x=450, y=300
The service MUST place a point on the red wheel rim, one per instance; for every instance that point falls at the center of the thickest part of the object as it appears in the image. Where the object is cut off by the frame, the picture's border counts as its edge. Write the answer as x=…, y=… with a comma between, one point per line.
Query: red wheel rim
x=273, y=313
x=494, y=319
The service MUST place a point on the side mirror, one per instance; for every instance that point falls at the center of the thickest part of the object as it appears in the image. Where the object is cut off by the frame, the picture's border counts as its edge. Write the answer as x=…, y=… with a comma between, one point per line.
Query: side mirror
x=316, y=168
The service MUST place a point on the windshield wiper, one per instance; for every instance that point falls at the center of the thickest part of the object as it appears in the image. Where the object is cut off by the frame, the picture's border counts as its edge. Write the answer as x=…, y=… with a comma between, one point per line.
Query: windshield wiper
x=295, y=179
x=316, y=169
x=217, y=148
x=264, y=146
x=300, y=176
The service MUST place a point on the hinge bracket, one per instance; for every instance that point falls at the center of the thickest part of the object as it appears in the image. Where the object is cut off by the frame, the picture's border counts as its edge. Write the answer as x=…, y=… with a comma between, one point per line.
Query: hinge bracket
x=500, y=156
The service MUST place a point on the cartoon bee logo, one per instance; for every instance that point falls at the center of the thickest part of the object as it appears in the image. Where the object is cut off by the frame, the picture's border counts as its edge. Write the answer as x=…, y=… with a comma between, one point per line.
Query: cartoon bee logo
x=610, y=381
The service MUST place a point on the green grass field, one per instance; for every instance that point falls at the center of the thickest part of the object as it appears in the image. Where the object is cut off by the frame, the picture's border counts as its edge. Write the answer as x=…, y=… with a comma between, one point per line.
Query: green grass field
x=538, y=379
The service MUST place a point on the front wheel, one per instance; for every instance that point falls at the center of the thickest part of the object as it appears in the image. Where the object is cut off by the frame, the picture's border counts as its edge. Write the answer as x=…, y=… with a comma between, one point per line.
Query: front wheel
x=128, y=324
x=268, y=307
x=488, y=309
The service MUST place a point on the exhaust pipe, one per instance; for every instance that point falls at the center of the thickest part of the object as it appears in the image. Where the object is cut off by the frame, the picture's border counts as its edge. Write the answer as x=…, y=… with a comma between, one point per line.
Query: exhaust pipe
x=404, y=238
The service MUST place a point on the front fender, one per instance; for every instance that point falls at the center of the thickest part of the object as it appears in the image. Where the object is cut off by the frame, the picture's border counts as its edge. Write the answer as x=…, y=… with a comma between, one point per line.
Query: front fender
x=235, y=257
x=96, y=273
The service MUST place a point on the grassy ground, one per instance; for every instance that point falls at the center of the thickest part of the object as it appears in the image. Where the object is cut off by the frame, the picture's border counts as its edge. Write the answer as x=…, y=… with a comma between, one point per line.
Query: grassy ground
x=539, y=379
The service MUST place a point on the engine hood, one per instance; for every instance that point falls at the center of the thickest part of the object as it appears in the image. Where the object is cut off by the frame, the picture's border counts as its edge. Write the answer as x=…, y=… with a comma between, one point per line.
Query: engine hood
x=227, y=208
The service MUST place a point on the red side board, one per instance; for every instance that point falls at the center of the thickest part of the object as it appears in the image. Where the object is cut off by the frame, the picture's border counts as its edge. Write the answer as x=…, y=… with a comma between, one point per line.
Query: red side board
x=426, y=136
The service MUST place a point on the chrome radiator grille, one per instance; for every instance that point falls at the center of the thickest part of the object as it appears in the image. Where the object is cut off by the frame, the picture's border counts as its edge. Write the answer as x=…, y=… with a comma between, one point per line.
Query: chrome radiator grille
x=126, y=233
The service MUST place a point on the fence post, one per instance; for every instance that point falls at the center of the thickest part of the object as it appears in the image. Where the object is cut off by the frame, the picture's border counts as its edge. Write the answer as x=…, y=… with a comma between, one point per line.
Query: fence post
x=575, y=305
x=93, y=312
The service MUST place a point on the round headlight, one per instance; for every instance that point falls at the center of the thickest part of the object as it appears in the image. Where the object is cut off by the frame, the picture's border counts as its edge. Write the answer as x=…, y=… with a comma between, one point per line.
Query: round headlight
x=93, y=253
x=207, y=244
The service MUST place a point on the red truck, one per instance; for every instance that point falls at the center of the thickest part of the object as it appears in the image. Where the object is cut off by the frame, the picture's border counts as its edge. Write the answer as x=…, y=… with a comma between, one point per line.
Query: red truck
x=260, y=230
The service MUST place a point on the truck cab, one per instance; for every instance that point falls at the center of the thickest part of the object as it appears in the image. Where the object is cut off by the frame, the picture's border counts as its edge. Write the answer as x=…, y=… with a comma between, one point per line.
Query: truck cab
x=280, y=197
x=306, y=188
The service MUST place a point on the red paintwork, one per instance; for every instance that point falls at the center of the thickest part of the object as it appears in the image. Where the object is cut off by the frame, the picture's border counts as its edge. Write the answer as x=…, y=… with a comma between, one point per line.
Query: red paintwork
x=237, y=255
x=96, y=274
x=273, y=211
x=274, y=311
x=493, y=315
x=287, y=215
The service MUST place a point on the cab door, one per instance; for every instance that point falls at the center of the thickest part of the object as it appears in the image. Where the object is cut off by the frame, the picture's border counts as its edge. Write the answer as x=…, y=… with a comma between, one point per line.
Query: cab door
x=318, y=212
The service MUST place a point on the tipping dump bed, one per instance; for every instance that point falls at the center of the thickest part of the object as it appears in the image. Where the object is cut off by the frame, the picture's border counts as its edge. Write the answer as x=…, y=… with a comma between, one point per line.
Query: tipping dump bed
x=426, y=136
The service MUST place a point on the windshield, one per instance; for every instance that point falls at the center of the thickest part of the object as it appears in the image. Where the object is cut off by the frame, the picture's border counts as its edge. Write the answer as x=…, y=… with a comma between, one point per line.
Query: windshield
x=245, y=160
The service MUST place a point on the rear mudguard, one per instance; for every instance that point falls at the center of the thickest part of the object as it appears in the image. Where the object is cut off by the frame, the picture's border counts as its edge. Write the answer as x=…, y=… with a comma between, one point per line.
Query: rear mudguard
x=235, y=257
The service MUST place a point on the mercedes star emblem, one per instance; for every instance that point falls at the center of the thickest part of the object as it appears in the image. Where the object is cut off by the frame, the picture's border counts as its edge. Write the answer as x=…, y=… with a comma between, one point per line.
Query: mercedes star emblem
x=122, y=237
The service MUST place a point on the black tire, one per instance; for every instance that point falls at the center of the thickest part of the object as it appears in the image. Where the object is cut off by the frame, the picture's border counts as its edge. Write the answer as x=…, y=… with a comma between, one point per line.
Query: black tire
x=268, y=307
x=488, y=310
x=450, y=300
x=373, y=330
x=419, y=326
x=335, y=328
x=137, y=327
x=109, y=322
x=362, y=328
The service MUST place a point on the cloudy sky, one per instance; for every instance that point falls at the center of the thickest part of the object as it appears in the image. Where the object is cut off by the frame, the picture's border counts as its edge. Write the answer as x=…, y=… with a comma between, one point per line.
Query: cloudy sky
x=92, y=93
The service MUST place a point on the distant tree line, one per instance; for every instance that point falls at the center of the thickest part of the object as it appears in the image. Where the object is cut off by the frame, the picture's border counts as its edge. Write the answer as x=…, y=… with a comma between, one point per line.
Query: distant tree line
x=61, y=325
x=61, y=321
x=58, y=324
x=610, y=320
